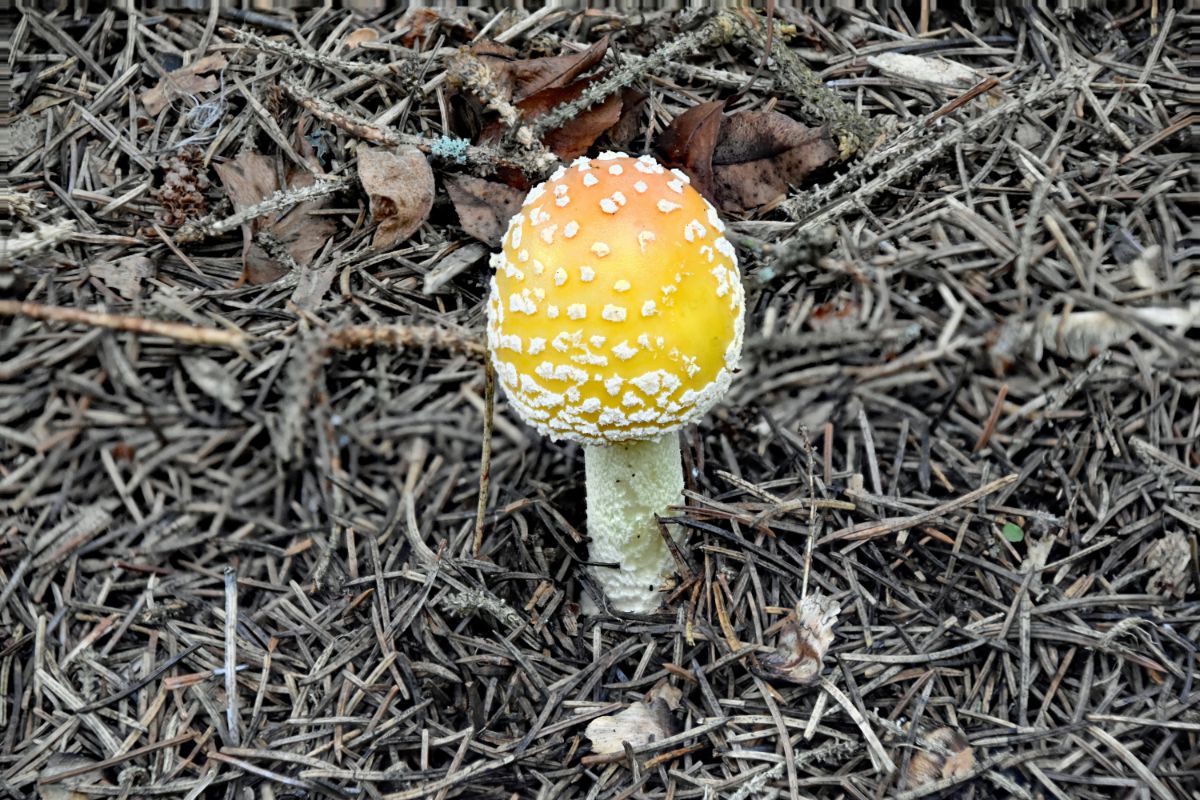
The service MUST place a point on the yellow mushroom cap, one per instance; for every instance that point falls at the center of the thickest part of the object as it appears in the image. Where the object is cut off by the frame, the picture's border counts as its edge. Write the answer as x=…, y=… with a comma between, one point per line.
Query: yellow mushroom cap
x=616, y=308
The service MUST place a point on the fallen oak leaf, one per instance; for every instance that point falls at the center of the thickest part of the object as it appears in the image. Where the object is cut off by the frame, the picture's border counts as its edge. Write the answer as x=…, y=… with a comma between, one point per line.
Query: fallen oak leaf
x=185, y=81
x=689, y=141
x=573, y=138
x=400, y=186
x=519, y=79
x=251, y=178
x=744, y=160
x=761, y=155
x=484, y=207
x=629, y=124
x=419, y=22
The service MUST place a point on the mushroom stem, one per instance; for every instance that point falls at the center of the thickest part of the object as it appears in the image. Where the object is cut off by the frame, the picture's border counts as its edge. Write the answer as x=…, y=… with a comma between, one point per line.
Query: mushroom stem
x=628, y=484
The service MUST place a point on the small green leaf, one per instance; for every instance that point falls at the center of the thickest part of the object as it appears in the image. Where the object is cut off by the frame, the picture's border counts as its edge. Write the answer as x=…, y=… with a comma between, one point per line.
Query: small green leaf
x=1013, y=532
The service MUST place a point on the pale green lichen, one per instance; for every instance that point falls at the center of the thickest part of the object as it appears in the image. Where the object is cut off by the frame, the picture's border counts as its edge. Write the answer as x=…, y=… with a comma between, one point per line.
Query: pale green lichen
x=450, y=148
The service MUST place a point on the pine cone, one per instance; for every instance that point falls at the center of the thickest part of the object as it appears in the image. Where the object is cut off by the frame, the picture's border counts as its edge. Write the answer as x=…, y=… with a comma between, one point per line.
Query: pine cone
x=181, y=192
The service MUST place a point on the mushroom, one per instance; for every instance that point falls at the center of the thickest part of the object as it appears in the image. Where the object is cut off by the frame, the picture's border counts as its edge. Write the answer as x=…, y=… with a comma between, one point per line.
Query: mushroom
x=615, y=318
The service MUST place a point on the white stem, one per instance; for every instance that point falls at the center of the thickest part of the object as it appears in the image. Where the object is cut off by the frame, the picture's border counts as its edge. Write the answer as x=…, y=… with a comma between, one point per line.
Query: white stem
x=627, y=485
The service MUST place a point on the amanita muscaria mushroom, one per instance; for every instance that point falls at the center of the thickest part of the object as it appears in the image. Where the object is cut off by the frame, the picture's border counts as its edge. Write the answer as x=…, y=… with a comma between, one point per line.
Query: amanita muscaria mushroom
x=615, y=319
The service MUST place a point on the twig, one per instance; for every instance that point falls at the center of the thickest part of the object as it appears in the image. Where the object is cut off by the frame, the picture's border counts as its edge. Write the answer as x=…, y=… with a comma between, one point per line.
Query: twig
x=485, y=457
x=483, y=159
x=843, y=194
x=714, y=33
x=872, y=530
x=853, y=131
x=231, y=693
x=879, y=756
x=405, y=70
x=191, y=334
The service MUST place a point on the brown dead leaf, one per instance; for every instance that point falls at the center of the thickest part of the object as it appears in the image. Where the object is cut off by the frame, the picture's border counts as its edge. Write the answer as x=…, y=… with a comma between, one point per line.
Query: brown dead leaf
x=419, y=22
x=761, y=155
x=575, y=137
x=189, y=80
x=415, y=25
x=249, y=179
x=643, y=722
x=400, y=185
x=125, y=275
x=745, y=160
x=689, y=141
x=803, y=641
x=1171, y=557
x=519, y=79
x=629, y=125
x=358, y=37
x=942, y=753
x=484, y=207
x=537, y=86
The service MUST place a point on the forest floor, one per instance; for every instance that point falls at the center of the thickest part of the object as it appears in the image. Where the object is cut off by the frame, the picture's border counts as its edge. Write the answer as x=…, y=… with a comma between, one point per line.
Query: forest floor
x=243, y=398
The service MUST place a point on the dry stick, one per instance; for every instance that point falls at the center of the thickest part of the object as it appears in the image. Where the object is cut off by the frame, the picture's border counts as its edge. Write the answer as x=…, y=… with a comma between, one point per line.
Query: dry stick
x=879, y=756
x=873, y=530
x=990, y=426
x=484, y=159
x=209, y=337
x=1029, y=230
x=985, y=85
x=108, y=763
x=467, y=69
x=810, y=540
x=352, y=337
x=196, y=230
x=853, y=131
x=485, y=458
x=842, y=194
x=403, y=70
x=231, y=696
x=714, y=33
